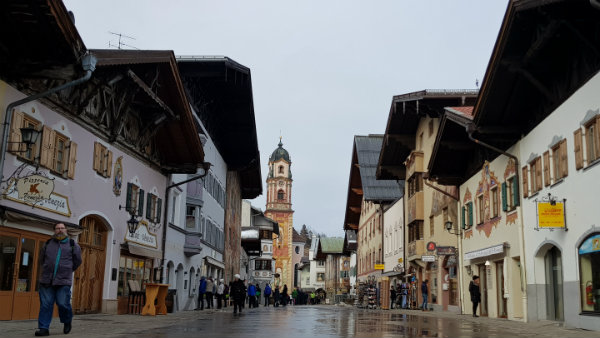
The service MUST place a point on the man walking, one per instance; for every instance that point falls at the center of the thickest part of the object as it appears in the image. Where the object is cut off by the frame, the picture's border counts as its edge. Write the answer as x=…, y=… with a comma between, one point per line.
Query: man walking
x=61, y=256
x=210, y=290
x=238, y=293
x=220, y=294
x=475, y=294
x=425, y=293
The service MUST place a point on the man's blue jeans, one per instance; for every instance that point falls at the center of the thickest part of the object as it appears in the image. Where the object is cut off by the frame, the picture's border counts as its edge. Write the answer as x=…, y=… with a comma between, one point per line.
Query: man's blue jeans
x=62, y=296
x=424, y=307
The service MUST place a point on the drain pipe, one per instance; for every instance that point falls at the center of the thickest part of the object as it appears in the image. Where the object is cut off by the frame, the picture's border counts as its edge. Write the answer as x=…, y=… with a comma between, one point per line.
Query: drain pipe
x=206, y=166
x=471, y=128
x=89, y=65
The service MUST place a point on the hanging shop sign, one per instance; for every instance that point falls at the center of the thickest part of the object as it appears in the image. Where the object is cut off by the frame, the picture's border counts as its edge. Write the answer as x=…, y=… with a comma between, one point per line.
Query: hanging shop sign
x=446, y=250
x=37, y=191
x=591, y=245
x=551, y=213
x=428, y=258
x=142, y=236
x=493, y=250
x=379, y=266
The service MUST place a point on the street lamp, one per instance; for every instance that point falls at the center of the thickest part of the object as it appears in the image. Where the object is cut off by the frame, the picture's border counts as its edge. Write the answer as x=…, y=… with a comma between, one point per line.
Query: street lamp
x=29, y=136
x=449, y=228
x=132, y=224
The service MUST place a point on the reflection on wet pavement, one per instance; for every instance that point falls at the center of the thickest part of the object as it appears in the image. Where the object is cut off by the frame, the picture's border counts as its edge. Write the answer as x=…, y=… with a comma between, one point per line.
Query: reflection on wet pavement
x=306, y=321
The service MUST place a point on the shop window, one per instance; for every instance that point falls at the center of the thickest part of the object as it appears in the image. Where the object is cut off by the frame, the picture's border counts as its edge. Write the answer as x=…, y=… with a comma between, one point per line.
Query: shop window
x=589, y=267
x=102, y=160
x=133, y=269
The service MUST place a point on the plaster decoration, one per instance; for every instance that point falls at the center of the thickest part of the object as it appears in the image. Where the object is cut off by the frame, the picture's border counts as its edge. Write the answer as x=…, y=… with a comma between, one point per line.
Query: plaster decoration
x=468, y=196
x=589, y=115
x=510, y=169
x=118, y=176
x=488, y=225
x=512, y=218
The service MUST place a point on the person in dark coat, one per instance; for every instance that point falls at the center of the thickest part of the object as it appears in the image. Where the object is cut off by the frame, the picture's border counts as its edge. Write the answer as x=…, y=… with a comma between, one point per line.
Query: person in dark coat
x=61, y=256
x=475, y=294
x=425, y=294
x=276, y=296
x=201, y=292
x=238, y=293
x=392, y=297
x=285, y=298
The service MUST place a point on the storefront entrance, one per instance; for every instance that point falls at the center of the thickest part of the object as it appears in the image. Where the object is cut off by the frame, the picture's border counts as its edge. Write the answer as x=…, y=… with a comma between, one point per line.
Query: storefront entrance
x=554, y=285
x=483, y=285
x=89, y=278
x=20, y=266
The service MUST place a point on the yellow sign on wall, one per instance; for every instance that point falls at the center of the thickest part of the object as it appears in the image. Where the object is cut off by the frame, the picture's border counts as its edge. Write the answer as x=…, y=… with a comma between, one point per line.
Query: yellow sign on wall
x=379, y=266
x=551, y=216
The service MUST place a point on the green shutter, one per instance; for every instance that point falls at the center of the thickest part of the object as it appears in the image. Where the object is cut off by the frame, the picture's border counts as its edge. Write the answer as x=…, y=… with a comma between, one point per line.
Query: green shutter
x=470, y=213
x=128, y=201
x=149, y=207
x=463, y=218
x=504, y=199
x=158, y=210
x=515, y=192
x=140, y=210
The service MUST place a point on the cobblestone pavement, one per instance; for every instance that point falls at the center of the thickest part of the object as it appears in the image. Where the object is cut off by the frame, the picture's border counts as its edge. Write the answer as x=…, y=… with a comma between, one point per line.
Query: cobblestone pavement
x=296, y=321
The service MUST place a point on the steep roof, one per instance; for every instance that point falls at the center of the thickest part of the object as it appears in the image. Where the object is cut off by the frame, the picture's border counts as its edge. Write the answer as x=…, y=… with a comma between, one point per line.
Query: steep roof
x=363, y=183
x=332, y=245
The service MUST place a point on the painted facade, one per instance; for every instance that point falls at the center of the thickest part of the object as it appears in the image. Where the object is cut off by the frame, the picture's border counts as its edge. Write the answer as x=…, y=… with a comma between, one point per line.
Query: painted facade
x=279, y=209
x=427, y=210
x=492, y=240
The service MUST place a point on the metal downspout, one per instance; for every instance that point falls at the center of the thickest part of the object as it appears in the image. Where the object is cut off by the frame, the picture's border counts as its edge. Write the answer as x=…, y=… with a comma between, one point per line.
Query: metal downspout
x=206, y=166
x=471, y=128
x=89, y=65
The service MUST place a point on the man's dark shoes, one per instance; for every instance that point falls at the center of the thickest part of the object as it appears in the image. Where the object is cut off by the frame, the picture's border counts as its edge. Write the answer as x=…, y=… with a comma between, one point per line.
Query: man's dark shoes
x=475, y=316
x=42, y=332
x=67, y=328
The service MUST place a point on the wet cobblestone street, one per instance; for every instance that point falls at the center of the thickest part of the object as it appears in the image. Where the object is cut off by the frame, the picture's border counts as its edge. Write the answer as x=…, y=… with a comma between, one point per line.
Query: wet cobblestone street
x=298, y=321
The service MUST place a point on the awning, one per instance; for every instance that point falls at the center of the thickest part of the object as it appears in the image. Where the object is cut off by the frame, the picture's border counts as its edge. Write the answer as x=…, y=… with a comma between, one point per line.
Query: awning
x=493, y=250
x=212, y=261
x=143, y=251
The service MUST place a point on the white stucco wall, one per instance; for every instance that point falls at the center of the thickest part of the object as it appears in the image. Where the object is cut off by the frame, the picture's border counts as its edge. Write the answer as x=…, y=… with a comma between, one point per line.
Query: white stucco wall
x=580, y=189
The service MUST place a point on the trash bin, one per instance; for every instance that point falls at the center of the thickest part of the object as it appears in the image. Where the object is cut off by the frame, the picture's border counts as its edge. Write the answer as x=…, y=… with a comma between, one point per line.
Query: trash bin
x=170, y=300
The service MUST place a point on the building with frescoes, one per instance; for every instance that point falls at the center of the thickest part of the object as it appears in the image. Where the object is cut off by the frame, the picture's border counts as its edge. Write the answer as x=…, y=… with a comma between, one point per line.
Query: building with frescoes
x=97, y=163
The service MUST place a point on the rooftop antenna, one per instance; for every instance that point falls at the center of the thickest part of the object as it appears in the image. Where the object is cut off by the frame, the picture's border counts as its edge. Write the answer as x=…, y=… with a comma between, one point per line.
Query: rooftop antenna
x=121, y=43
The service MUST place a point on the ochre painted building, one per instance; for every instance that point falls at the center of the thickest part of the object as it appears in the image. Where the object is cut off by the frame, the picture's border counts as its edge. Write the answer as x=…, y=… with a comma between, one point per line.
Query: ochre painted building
x=279, y=209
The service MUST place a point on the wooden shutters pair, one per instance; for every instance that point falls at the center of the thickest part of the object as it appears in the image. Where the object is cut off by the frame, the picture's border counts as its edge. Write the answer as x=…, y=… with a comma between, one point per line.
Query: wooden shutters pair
x=153, y=215
x=467, y=215
x=48, y=152
x=102, y=160
x=130, y=206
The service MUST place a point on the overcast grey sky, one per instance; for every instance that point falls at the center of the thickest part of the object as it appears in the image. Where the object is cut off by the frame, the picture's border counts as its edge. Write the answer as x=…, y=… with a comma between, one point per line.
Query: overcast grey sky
x=322, y=71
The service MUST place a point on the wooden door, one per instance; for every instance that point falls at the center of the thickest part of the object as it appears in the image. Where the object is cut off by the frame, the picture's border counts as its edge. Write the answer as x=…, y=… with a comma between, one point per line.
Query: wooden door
x=8, y=266
x=25, y=282
x=89, y=278
x=20, y=267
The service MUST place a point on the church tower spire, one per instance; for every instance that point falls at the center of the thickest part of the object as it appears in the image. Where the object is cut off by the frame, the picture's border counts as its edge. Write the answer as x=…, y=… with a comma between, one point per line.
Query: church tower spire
x=279, y=208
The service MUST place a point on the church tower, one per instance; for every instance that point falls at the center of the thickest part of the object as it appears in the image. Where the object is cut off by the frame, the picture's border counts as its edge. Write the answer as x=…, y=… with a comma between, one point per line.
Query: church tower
x=279, y=209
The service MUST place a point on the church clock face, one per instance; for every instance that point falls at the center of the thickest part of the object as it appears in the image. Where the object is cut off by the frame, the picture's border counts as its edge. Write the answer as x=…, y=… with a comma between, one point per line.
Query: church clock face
x=280, y=183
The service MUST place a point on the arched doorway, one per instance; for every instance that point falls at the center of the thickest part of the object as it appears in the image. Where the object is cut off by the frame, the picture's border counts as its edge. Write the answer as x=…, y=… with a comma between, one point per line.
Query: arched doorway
x=554, y=284
x=89, y=278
